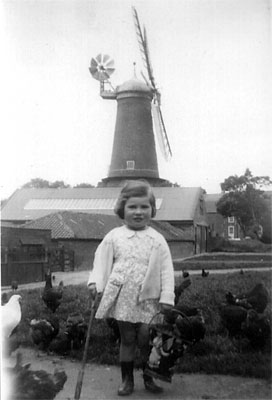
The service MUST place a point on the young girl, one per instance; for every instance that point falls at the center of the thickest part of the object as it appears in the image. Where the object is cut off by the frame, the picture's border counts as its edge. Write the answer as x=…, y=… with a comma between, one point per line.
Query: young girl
x=133, y=268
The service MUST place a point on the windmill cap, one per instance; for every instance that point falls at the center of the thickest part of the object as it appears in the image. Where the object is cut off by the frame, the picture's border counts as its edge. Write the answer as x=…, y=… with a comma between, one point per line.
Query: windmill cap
x=134, y=85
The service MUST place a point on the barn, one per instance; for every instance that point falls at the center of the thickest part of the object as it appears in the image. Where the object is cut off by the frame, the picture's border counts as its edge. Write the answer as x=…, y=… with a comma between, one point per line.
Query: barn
x=81, y=233
x=180, y=208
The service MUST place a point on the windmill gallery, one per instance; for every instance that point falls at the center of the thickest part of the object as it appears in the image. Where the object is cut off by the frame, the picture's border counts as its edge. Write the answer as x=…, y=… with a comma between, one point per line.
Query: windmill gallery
x=181, y=211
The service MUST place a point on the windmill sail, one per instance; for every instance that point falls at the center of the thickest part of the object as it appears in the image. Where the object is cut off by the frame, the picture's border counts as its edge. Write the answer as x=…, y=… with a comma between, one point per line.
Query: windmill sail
x=156, y=111
x=160, y=131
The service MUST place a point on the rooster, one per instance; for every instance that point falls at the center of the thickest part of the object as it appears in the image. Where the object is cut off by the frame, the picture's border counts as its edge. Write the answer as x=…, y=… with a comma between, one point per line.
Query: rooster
x=43, y=331
x=26, y=384
x=52, y=296
x=257, y=298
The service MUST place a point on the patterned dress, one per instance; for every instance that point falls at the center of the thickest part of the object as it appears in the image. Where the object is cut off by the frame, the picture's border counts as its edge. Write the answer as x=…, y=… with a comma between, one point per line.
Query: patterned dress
x=121, y=295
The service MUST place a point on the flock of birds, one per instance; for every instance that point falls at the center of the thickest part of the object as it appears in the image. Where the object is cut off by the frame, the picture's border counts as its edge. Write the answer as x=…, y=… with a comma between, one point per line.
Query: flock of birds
x=26, y=383
x=242, y=315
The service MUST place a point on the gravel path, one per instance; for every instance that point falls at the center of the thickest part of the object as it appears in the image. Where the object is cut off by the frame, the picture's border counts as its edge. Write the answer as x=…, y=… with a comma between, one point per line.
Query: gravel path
x=101, y=382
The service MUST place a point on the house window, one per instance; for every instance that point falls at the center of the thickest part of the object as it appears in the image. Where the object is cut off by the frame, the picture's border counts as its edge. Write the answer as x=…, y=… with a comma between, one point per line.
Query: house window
x=231, y=220
x=130, y=164
x=231, y=232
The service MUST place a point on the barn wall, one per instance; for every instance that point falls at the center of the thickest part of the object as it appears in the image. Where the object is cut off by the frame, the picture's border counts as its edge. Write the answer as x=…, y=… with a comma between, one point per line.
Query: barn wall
x=10, y=237
x=181, y=249
x=83, y=252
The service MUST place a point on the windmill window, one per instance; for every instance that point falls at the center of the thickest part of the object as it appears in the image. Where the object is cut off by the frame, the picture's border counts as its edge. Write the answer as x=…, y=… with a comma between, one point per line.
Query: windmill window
x=231, y=220
x=130, y=164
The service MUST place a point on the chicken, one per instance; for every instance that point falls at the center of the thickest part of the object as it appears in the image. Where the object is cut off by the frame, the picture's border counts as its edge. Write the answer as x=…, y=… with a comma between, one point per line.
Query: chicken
x=11, y=315
x=26, y=384
x=14, y=285
x=191, y=328
x=179, y=289
x=257, y=298
x=185, y=274
x=232, y=317
x=76, y=327
x=204, y=273
x=43, y=331
x=52, y=296
x=257, y=329
x=61, y=344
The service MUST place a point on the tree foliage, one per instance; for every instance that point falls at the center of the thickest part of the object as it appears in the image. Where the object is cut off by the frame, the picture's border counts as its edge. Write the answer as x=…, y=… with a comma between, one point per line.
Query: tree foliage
x=244, y=199
x=83, y=185
x=39, y=183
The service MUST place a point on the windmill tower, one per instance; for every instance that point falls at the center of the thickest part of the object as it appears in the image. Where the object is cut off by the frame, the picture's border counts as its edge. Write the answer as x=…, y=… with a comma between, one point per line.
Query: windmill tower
x=138, y=111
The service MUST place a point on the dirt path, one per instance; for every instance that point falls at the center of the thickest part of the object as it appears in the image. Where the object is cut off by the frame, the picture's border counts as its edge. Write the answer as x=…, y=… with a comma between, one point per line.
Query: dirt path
x=78, y=277
x=101, y=382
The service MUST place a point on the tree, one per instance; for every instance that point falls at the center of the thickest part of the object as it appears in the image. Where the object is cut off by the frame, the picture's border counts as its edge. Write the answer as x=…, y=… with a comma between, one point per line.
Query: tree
x=36, y=183
x=244, y=200
x=39, y=183
x=84, y=185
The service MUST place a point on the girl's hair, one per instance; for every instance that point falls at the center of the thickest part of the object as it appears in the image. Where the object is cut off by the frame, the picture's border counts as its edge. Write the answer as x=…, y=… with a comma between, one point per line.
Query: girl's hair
x=135, y=189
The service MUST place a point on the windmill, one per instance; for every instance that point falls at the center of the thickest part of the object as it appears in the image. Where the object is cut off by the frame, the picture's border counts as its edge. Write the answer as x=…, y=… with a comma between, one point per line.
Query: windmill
x=138, y=112
x=156, y=103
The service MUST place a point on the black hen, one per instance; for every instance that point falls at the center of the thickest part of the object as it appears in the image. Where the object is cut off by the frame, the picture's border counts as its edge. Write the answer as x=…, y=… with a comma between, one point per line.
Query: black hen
x=204, y=273
x=232, y=317
x=257, y=298
x=14, y=285
x=76, y=328
x=179, y=289
x=52, y=296
x=62, y=344
x=43, y=331
x=26, y=384
x=257, y=329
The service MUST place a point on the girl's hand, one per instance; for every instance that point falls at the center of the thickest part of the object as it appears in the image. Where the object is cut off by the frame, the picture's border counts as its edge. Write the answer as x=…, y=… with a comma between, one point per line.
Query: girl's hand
x=92, y=290
x=165, y=307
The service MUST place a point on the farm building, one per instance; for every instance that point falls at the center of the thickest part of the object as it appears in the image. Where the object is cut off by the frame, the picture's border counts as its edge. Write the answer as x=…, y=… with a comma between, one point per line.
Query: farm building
x=183, y=208
x=24, y=254
x=81, y=233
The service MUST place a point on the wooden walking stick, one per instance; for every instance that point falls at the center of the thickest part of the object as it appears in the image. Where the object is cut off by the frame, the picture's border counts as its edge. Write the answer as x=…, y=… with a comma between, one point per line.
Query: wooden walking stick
x=81, y=371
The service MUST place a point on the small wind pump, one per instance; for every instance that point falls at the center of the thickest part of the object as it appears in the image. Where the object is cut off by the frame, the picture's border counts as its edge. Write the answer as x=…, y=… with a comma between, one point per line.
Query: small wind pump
x=156, y=103
x=101, y=68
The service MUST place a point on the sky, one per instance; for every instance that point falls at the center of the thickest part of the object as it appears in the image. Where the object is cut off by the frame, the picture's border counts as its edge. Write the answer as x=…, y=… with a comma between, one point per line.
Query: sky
x=212, y=63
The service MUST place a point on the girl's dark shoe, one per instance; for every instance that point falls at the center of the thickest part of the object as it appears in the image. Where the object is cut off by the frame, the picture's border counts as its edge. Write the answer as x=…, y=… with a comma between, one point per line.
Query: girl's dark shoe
x=127, y=386
x=149, y=383
x=151, y=386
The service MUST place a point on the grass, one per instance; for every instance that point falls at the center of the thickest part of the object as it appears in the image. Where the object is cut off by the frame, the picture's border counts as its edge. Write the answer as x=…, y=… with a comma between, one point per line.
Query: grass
x=216, y=353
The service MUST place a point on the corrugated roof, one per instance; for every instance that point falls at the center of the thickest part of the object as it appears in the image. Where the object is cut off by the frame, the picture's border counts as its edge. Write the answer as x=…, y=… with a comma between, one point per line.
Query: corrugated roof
x=76, y=225
x=175, y=204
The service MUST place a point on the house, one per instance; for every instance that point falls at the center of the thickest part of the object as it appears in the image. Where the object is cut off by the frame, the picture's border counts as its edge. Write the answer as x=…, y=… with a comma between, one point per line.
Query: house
x=183, y=208
x=81, y=233
x=219, y=226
